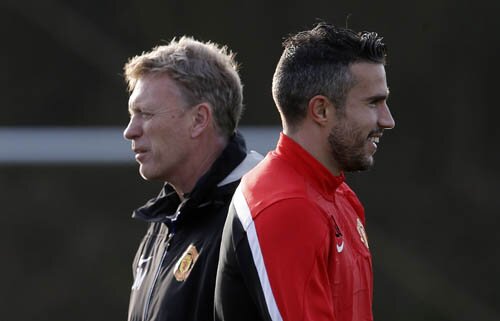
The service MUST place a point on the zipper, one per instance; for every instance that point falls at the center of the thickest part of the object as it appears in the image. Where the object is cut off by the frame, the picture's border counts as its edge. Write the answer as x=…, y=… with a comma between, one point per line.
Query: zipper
x=150, y=294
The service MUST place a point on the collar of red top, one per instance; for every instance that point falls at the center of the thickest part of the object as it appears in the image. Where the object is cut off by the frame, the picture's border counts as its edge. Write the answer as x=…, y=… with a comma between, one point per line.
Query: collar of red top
x=308, y=166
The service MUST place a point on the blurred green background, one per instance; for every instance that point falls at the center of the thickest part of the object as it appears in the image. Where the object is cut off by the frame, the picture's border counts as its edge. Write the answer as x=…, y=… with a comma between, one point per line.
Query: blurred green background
x=67, y=238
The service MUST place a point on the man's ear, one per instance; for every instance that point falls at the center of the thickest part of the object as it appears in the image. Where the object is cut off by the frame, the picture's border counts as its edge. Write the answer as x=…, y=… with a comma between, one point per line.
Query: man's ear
x=320, y=109
x=201, y=118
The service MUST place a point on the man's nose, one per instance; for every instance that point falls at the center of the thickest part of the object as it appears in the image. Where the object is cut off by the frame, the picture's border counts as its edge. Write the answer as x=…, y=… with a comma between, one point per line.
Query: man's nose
x=385, y=119
x=132, y=130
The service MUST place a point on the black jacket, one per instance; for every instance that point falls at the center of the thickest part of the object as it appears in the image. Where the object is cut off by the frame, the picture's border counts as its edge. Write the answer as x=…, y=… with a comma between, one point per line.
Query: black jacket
x=176, y=263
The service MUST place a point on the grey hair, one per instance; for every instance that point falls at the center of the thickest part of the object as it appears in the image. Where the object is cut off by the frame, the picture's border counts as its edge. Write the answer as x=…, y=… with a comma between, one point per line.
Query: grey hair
x=204, y=71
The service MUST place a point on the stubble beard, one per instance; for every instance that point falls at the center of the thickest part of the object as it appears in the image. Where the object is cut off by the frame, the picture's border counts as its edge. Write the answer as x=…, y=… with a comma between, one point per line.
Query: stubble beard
x=349, y=148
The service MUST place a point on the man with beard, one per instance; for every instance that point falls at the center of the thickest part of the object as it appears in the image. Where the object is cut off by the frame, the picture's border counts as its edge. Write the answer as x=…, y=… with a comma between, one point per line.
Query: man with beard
x=294, y=245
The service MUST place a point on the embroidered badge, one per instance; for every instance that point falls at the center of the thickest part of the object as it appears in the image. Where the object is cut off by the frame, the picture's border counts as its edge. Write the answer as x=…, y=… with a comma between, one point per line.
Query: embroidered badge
x=186, y=263
x=362, y=233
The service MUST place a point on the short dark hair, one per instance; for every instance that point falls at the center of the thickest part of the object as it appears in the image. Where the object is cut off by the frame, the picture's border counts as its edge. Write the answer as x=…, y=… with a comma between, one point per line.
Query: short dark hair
x=316, y=62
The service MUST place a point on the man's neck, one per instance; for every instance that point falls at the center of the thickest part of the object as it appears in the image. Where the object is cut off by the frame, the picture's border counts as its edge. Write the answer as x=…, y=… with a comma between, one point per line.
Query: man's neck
x=317, y=146
x=201, y=160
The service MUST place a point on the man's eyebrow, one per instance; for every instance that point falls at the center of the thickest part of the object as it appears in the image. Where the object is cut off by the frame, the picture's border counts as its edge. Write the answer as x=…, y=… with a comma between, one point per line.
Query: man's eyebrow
x=135, y=105
x=133, y=108
x=378, y=97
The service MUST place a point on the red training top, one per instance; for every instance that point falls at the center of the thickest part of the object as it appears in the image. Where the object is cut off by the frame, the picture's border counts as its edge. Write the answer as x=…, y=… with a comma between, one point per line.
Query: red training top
x=294, y=245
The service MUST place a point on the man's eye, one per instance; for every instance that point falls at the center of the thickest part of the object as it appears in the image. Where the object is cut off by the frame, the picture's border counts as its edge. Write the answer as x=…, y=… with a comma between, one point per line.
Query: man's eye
x=146, y=115
x=375, y=103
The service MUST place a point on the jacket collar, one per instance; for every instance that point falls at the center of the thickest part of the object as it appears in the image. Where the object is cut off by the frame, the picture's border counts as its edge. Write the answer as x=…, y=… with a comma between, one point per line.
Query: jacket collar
x=307, y=165
x=167, y=207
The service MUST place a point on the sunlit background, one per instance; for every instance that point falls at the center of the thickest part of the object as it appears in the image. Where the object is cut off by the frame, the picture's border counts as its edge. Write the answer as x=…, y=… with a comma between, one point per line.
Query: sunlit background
x=68, y=184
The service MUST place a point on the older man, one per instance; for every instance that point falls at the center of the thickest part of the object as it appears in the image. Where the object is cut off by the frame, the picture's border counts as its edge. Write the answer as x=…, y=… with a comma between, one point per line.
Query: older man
x=185, y=104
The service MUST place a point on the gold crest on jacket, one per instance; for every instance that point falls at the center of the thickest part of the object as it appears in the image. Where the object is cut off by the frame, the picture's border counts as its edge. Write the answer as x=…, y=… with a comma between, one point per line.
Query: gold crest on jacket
x=186, y=263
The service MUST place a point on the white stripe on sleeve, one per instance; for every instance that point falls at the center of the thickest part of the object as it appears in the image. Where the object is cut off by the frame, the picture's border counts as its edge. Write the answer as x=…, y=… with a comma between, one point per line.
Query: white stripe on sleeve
x=245, y=217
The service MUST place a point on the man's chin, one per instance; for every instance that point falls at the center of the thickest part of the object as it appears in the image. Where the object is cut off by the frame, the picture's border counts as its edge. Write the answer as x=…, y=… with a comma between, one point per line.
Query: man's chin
x=147, y=175
x=360, y=165
x=150, y=175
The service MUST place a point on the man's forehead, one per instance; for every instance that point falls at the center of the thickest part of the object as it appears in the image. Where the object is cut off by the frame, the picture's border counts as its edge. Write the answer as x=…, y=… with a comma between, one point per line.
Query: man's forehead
x=369, y=74
x=145, y=86
x=134, y=98
x=363, y=68
x=154, y=90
